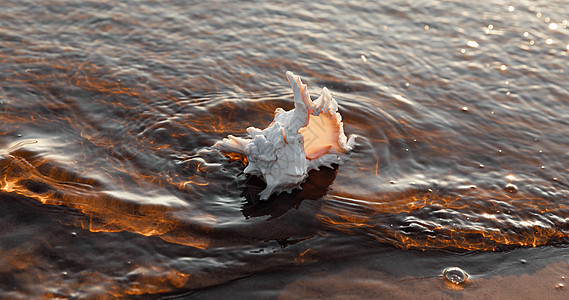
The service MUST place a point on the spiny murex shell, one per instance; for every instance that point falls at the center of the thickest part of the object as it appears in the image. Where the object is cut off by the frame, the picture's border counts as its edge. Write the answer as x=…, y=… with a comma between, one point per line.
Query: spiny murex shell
x=297, y=141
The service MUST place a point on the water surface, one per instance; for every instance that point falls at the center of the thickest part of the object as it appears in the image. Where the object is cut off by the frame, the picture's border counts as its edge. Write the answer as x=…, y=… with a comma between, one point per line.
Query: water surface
x=110, y=186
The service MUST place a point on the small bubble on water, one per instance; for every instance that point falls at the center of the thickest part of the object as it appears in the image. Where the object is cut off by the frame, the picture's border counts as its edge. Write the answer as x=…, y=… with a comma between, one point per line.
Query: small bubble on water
x=526, y=34
x=511, y=8
x=549, y=41
x=406, y=150
x=455, y=275
x=64, y=274
x=499, y=150
x=19, y=135
x=554, y=178
x=559, y=286
x=464, y=108
x=543, y=167
x=547, y=19
x=73, y=233
x=503, y=67
x=553, y=26
x=462, y=51
x=426, y=27
x=364, y=58
x=523, y=261
x=511, y=188
x=481, y=166
x=392, y=182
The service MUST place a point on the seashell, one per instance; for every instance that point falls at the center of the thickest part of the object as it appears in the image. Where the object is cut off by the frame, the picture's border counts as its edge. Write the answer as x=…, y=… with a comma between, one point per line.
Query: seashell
x=297, y=141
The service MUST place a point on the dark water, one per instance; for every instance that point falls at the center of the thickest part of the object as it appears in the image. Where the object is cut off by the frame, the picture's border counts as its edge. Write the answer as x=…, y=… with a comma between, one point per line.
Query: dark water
x=110, y=187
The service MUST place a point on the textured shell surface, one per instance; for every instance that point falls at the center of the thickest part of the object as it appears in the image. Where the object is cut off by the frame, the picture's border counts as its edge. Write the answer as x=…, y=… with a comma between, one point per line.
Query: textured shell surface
x=297, y=141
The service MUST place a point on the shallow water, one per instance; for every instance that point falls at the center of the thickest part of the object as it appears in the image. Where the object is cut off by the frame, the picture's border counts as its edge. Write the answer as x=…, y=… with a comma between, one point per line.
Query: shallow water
x=110, y=187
